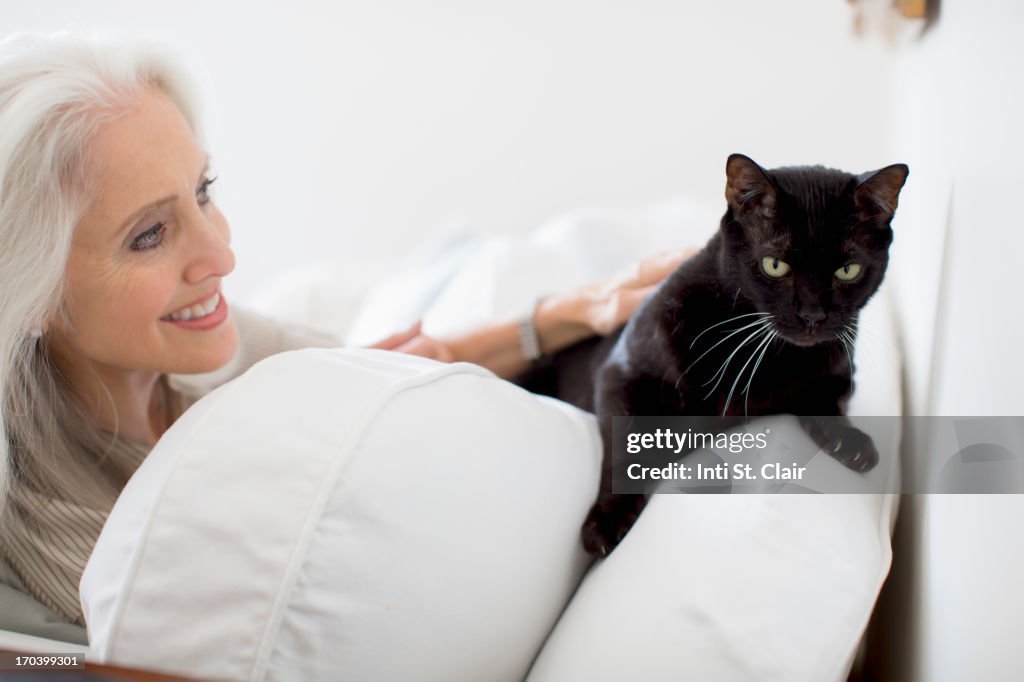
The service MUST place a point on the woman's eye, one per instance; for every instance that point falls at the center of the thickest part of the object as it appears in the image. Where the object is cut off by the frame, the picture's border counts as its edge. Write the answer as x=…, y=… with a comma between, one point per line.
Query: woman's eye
x=202, y=194
x=774, y=267
x=848, y=272
x=149, y=239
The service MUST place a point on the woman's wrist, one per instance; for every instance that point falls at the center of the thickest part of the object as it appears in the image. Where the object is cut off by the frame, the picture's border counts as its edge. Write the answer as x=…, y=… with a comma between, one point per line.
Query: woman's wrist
x=562, y=319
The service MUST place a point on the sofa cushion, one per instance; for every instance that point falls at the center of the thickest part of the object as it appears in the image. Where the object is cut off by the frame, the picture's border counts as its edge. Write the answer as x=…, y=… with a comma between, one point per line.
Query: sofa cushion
x=361, y=513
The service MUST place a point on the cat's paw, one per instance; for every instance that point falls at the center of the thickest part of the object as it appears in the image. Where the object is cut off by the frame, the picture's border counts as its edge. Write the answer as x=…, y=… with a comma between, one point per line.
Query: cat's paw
x=608, y=522
x=854, y=449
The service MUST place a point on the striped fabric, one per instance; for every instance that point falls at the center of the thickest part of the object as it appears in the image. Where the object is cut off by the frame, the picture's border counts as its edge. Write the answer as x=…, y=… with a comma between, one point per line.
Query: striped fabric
x=50, y=540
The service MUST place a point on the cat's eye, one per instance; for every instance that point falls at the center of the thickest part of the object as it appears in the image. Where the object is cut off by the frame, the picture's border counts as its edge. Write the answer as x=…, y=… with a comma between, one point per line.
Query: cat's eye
x=848, y=272
x=773, y=267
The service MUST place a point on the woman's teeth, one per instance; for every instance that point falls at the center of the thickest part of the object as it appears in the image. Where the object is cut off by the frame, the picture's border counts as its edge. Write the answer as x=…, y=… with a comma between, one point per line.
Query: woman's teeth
x=196, y=311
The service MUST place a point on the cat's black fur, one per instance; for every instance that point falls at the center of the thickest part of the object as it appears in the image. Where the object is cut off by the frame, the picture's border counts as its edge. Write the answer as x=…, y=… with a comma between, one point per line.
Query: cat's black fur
x=814, y=219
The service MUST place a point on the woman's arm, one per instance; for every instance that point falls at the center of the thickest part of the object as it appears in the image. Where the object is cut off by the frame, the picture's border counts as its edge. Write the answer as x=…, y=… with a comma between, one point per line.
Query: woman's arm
x=560, y=320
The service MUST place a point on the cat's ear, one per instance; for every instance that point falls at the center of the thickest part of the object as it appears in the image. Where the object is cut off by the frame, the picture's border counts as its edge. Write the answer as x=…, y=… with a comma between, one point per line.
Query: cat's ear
x=748, y=187
x=878, y=192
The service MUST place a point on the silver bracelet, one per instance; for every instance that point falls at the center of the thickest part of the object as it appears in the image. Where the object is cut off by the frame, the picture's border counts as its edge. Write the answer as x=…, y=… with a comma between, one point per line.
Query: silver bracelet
x=529, y=341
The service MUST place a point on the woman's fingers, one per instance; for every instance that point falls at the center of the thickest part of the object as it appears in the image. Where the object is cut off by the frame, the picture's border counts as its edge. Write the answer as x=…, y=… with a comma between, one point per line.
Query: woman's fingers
x=656, y=268
x=618, y=308
x=412, y=342
x=607, y=305
x=649, y=271
x=395, y=340
x=426, y=347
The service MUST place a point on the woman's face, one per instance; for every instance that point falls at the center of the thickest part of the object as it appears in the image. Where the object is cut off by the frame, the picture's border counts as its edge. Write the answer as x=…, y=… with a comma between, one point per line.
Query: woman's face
x=150, y=250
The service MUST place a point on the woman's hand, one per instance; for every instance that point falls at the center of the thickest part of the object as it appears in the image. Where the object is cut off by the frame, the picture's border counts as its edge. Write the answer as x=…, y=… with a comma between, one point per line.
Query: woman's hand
x=560, y=320
x=602, y=307
x=411, y=341
x=607, y=305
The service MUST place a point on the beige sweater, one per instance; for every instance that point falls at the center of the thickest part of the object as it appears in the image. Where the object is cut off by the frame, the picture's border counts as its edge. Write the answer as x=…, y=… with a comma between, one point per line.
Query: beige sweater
x=50, y=546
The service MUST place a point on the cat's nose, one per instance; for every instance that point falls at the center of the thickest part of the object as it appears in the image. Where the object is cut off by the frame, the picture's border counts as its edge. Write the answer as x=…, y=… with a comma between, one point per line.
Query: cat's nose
x=812, y=316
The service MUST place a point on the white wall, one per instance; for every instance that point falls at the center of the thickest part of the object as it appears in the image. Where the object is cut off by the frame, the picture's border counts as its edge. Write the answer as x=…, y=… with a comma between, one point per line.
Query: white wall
x=345, y=132
x=957, y=111
x=957, y=107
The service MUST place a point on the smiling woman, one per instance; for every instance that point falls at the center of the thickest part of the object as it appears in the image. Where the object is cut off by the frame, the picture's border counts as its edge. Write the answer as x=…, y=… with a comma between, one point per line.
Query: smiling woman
x=112, y=317
x=81, y=350
x=140, y=280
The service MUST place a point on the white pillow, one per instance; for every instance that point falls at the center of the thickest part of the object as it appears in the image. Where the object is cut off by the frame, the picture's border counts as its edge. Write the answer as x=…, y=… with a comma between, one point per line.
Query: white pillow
x=355, y=514
x=746, y=587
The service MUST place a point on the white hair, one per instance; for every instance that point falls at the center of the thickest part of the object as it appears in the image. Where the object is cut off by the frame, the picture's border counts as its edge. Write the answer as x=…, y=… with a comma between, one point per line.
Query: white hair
x=55, y=92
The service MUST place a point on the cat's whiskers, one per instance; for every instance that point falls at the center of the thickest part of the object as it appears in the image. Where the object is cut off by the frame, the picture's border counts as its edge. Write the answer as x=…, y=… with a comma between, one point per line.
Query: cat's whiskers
x=874, y=342
x=746, y=389
x=865, y=359
x=719, y=324
x=733, y=333
x=739, y=374
x=765, y=328
x=846, y=341
x=852, y=332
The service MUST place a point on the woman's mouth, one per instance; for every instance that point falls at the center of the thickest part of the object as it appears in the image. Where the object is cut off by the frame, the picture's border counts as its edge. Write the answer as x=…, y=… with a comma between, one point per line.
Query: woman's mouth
x=205, y=314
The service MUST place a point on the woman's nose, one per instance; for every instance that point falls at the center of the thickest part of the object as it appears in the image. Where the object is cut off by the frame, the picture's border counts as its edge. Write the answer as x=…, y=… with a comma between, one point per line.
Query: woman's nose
x=209, y=250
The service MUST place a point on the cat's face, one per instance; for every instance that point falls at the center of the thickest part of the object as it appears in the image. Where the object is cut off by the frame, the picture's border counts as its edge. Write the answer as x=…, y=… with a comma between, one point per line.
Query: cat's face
x=809, y=245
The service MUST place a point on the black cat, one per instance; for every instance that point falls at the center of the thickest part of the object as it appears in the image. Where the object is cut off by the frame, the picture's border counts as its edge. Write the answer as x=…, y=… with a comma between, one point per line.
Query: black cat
x=765, y=315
